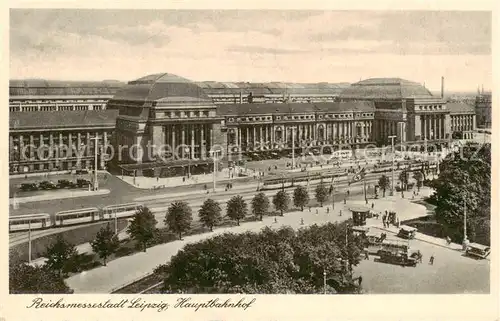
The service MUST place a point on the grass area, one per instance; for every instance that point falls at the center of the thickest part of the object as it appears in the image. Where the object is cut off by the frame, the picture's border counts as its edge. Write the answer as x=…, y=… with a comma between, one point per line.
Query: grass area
x=75, y=236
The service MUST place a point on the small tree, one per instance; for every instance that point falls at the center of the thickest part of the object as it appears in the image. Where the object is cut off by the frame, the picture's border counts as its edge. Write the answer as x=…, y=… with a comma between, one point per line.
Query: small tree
x=179, y=217
x=383, y=183
x=105, y=243
x=142, y=228
x=236, y=208
x=59, y=255
x=281, y=201
x=300, y=197
x=321, y=194
x=419, y=177
x=260, y=205
x=403, y=178
x=210, y=213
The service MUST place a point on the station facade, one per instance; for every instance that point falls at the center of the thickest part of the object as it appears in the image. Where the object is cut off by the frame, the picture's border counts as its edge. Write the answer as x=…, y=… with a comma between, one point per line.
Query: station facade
x=166, y=120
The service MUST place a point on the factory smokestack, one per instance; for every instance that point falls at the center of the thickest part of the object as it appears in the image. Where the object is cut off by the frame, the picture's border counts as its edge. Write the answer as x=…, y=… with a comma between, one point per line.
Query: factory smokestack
x=442, y=87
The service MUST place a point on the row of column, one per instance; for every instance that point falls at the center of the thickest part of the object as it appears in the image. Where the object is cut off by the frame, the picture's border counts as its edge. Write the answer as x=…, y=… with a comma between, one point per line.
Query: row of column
x=433, y=126
x=462, y=122
x=189, y=141
x=55, y=140
x=267, y=133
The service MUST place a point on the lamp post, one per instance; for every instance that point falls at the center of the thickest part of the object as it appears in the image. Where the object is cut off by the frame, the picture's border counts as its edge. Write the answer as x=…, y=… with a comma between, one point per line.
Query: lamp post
x=29, y=242
x=214, y=155
x=292, y=130
x=466, y=240
x=393, y=152
x=324, y=281
x=96, y=182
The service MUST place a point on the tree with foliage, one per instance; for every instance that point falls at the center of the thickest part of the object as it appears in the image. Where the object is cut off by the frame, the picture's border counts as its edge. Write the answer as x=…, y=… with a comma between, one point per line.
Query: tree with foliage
x=260, y=205
x=236, y=208
x=300, y=197
x=210, y=213
x=403, y=178
x=383, y=183
x=465, y=179
x=142, y=228
x=281, y=201
x=178, y=218
x=105, y=243
x=271, y=261
x=321, y=194
x=419, y=177
x=59, y=255
x=27, y=279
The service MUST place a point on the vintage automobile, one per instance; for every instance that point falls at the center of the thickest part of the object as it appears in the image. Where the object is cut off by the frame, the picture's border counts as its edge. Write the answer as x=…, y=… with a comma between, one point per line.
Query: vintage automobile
x=64, y=183
x=397, y=257
x=80, y=182
x=47, y=185
x=28, y=187
x=375, y=238
x=407, y=232
x=477, y=250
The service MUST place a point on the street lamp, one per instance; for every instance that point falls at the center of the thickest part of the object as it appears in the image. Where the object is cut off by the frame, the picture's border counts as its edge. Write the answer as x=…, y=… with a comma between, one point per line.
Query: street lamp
x=466, y=240
x=96, y=182
x=324, y=281
x=214, y=155
x=393, y=152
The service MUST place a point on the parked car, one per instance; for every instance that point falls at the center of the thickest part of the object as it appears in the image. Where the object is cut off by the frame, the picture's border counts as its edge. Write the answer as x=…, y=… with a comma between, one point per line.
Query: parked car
x=64, y=183
x=407, y=232
x=28, y=187
x=478, y=250
x=47, y=185
x=82, y=182
x=81, y=171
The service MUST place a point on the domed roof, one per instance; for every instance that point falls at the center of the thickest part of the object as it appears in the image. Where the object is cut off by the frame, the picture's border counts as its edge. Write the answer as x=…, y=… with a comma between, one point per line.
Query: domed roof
x=385, y=88
x=159, y=86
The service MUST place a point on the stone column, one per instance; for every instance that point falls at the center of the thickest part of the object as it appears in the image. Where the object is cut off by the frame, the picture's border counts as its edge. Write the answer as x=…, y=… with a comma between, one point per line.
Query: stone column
x=192, y=141
x=272, y=134
x=247, y=136
x=183, y=139
x=22, y=155
x=173, y=129
x=261, y=138
x=285, y=136
x=32, y=147
x=239, y=138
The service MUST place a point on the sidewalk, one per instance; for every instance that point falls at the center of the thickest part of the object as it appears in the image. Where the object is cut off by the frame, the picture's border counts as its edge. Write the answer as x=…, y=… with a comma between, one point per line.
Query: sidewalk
x=54, y=195
x=165, y=182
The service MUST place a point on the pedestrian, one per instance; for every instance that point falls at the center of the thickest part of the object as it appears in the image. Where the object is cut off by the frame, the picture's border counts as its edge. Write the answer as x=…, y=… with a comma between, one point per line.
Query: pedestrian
x=340, y=213
x=360, y=279
x=309, y=209
x=348, y=192
x=327, y=210
x=316, y=211
x=205, y=186
x=275, y=220
x=344, y=200
x=373, y=205
x=301, y=221
x=431, y=260
x=367, y=255
x=448, y=240
x=157, y=178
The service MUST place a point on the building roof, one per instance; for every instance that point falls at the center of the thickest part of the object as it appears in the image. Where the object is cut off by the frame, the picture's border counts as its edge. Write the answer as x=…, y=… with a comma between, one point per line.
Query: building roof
x=271, y=88
x=42, y=87
x=268, y=108
x=158, y=86
x=62, y=119
x=459, y=108
x=385, y=88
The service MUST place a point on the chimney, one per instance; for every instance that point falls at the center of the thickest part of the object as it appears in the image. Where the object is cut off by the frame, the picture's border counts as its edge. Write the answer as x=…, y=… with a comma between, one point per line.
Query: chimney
x=442, y=87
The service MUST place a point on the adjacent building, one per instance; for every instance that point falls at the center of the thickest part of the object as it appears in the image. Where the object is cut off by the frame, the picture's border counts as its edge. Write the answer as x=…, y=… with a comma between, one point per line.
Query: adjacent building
x=483, y=110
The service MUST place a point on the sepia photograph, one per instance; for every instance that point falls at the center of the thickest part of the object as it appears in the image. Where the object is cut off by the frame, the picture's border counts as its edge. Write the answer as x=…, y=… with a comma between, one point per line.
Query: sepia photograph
x=249, y=152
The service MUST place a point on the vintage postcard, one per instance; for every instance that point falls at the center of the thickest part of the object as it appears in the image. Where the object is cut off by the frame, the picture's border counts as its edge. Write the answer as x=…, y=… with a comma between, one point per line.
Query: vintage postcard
x=218, y=164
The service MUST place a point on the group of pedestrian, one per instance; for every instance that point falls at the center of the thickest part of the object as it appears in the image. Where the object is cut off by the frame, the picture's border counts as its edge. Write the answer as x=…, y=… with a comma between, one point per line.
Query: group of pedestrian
x=228, y=186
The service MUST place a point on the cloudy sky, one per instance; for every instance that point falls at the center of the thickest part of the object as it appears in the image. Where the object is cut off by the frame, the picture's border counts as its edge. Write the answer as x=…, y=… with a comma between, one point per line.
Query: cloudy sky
x=231, y=45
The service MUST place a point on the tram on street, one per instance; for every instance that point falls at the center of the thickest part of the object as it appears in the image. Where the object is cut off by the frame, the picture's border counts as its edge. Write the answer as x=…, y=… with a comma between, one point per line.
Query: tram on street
x=120, y=211
x=25, y=222
x=77, y=216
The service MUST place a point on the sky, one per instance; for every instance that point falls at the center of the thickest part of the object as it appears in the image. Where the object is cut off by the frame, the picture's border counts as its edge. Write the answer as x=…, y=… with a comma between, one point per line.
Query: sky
x=255, y=46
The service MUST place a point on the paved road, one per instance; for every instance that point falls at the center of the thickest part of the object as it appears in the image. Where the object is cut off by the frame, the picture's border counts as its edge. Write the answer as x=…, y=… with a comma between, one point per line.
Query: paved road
x=451, y=273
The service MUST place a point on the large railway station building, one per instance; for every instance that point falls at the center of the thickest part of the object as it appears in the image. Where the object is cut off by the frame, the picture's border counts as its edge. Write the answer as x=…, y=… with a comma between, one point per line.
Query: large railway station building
x=174, y=122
